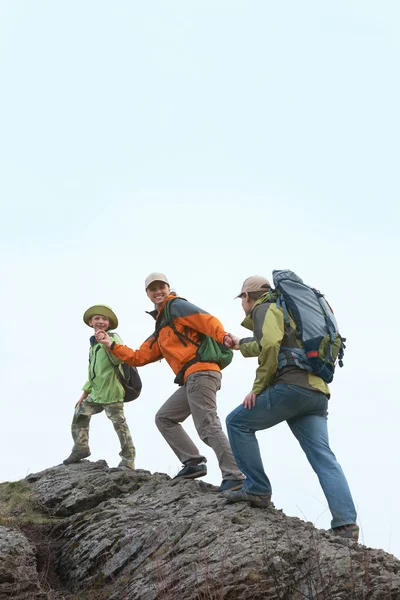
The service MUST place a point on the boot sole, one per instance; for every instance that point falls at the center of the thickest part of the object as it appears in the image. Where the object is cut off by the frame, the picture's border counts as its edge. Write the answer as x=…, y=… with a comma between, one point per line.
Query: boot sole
x=351, y=534
x=74, y=462
x=194, y=476
x=252, y=503
x=353, y=537
x=259, y=505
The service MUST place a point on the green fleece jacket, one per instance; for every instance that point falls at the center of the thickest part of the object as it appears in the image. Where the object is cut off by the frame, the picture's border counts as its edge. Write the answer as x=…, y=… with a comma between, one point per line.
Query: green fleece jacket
x=267, y=322
x=102, y=384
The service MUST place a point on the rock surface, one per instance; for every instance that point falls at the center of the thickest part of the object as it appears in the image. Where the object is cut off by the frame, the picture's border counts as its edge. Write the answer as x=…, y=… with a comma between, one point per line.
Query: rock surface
x=18, y=568
x=130, y=535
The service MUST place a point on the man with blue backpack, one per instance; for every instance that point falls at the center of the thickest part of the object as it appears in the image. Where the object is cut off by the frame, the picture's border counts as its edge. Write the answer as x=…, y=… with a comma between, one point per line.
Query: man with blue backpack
x=297, y=343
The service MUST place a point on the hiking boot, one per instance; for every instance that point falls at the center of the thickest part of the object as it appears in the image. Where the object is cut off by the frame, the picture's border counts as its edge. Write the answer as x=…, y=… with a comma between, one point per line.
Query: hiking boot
x=191, y=471
x=350, y=532
x=128, y=464
x=230, y=485
x=76, y=457
x=256, y=501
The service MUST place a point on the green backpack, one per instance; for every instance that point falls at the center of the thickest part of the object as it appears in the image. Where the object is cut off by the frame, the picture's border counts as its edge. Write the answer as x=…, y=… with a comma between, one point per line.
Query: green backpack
x=208, y=350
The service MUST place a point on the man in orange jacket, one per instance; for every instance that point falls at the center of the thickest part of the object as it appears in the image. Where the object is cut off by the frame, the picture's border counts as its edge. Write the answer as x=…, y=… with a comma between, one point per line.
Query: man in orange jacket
x=201, y=380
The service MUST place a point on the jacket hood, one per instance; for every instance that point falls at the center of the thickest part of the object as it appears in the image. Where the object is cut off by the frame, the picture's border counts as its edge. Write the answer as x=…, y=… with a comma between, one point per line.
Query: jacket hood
x=269, y=296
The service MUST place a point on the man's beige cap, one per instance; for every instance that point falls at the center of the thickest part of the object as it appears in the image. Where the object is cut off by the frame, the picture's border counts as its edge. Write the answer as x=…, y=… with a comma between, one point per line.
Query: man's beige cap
x=255, y=283
x=155, y=277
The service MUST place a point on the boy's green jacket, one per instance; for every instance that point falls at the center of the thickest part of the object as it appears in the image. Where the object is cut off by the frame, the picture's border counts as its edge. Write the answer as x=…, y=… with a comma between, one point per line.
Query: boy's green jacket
x=102, y=384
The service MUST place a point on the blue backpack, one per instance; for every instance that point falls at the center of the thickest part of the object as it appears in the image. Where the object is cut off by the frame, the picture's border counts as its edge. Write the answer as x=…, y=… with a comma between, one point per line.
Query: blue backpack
x=315, y=324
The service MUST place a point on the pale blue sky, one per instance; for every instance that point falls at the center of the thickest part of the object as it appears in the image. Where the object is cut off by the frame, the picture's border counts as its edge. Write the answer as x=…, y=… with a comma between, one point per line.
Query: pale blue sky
x=211, y=140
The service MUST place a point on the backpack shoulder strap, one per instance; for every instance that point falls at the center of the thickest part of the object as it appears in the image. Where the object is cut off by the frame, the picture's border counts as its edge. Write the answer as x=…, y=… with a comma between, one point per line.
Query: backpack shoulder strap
x=115, y=365
x=166, y=319
x=111, y=360
x=280, y=303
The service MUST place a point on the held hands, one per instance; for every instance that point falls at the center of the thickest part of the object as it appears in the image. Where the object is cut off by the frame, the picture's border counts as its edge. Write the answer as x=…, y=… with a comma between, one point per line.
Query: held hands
x=231, y=341
x=103, y=338
x=250, y=401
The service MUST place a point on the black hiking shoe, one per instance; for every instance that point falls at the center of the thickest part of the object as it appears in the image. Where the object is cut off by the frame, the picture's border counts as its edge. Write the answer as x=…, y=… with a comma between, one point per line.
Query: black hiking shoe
x=256, y=501
x=230, y=485
x=76, y=457
x=349, y=532
x=191, y=471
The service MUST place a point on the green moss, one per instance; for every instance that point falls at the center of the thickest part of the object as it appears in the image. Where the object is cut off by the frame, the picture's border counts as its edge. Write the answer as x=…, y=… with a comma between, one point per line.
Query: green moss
x=19, y=505
x=254, y=576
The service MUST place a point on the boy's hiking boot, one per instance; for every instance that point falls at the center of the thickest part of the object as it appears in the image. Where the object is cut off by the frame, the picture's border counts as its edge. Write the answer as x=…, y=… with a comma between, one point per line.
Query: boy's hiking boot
x=256, y=501
x=76, y=457
x=230, y=485
x=350, y=532
x=191, y=471
x=128, y=464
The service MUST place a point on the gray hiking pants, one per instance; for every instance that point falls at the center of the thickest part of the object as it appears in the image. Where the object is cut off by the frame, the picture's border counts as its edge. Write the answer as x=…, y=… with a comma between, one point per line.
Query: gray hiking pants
x=198, y=397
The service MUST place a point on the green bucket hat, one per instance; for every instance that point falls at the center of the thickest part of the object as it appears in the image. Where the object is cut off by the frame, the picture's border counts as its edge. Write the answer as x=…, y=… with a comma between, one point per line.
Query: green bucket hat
x=101, y=309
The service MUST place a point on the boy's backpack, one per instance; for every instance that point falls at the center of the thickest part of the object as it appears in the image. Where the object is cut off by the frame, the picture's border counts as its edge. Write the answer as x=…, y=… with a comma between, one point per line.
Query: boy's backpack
x=208, y=350
x=315, y=324
x=129, y=378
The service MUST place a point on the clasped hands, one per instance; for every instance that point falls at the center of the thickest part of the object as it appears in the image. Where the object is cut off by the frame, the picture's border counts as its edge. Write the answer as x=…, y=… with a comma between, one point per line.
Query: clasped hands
x=103, y=338
x=231, y=341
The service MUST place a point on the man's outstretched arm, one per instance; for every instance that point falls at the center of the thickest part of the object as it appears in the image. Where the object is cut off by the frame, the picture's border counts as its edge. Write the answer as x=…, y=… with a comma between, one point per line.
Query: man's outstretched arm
x=148, y=352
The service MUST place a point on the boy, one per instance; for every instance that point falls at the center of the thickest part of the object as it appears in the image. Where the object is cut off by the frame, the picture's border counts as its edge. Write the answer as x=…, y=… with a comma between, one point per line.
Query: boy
x=101, y=392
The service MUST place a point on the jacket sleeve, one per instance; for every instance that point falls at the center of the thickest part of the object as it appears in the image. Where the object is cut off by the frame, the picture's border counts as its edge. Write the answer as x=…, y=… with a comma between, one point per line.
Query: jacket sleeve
x=272, y=334
x=148, y=352
x=87, y=387
x=249, y=347
x=201, y=321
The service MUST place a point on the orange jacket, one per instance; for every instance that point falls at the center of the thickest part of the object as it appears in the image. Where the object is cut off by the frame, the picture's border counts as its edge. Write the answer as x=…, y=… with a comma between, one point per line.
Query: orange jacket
x=188, y=319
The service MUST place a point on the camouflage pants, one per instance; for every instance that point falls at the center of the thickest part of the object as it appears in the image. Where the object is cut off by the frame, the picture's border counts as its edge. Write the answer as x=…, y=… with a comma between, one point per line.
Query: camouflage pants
x=115, y=412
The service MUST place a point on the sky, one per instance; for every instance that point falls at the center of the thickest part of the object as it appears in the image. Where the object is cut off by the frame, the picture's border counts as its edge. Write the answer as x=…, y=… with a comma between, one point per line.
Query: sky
x=211, y=141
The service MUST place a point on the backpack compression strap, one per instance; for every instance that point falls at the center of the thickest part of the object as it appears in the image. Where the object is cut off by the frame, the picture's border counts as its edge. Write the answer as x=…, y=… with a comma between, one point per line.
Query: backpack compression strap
x=288, y=357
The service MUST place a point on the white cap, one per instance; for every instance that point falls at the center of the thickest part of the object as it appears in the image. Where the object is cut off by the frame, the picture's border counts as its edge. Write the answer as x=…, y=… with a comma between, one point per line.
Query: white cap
x=155, y=277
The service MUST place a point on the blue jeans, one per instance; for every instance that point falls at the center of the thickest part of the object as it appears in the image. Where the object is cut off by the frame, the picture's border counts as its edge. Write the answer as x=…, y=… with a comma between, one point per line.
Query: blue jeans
x=306, y=414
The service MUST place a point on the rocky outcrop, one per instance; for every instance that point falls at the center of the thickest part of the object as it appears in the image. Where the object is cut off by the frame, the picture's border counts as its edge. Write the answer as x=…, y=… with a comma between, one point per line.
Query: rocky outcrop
x=131, y=535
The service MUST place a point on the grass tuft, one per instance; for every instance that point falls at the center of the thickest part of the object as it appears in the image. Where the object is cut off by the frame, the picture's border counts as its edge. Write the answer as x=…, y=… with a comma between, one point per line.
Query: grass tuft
x=19, y=506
